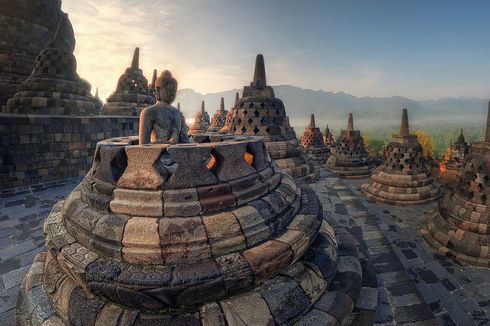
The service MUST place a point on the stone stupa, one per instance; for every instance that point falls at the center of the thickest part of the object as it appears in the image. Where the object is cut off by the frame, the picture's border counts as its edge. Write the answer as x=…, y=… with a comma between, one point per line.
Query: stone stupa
x=260, y=113
x=349, y=158
x=450, y=166
x=132, y=93
x=328, y=138
x=403, y=178
x=201, y=121
x=312, y=142
x=27, y=26
x=227, y=243
x=228, y=126
x=54, y=87
x=219, y=118
x=458, y=227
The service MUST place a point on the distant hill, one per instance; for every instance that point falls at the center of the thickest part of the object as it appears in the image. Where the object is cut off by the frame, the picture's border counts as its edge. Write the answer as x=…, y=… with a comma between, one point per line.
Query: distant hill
x=332, y=108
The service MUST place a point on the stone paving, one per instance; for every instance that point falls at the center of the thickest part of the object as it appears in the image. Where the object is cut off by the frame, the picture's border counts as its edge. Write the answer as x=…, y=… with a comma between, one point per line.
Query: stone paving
x=415, y=286
x=414, y=283
x=21, y=236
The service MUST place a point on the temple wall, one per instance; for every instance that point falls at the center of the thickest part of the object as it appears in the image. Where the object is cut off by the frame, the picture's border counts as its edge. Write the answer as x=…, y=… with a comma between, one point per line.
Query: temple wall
x=40, y=148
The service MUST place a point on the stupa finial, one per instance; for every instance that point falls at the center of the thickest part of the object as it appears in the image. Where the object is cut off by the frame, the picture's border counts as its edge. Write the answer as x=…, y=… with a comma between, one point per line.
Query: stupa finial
x=178, y=106
x=202, y=107
x=259, y=73
x=312, y=121
x=404, y=128
x=350, y=123
x=97, y=93
x=222, y=104
x=135, y=64
x=237, y=97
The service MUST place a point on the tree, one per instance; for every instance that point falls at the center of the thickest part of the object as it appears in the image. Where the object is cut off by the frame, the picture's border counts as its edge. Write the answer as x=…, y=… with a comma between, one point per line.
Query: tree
x=426, y=141
x=375, y=147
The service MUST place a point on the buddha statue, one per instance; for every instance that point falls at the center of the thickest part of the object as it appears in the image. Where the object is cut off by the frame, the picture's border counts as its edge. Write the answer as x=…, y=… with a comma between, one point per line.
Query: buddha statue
x=161, y=122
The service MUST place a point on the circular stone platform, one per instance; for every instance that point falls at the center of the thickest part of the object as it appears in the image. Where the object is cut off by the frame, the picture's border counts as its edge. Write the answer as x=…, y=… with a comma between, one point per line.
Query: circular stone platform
x=191, y=234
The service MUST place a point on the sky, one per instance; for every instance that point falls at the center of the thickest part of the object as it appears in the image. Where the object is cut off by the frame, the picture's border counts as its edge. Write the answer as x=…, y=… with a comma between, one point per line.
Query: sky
x=414, y=48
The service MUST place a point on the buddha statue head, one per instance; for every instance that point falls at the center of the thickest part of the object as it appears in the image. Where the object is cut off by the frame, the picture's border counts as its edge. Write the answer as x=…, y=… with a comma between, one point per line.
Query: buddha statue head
x=166, y=87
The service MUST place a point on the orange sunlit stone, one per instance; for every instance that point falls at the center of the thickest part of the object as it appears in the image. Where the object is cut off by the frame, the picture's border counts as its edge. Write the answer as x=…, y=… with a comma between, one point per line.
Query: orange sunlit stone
x=249, y=158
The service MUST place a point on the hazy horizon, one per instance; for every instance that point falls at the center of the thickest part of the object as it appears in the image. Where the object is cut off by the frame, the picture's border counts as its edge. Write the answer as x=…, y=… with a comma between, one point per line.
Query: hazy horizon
x=416, y=49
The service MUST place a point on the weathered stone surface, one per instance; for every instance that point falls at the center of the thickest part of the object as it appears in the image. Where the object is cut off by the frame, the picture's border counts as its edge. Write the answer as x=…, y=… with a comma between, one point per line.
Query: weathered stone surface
x=247, y=309
x=192, y=170
x=108, y=234
x=224, y=233
x=336, y=304
x=141, y=172
x=141, y=241
x=248, y=188
x=285, y=298
x=231, y=162
x=252, y=224
x=111, y=313
x=268, y=259
x=181, y=202
x=211, y=315
x=236, y=271
x=137, y=202
x=216, y=197
x=183, y=240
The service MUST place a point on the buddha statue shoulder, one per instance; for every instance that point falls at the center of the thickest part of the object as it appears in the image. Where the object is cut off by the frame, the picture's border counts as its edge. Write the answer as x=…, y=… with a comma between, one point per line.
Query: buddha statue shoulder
x=161, y=122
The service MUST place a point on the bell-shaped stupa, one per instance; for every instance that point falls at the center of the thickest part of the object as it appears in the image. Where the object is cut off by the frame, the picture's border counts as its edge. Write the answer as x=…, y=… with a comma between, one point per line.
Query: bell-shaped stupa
x=132, y=94
x=260, y=113
x=403, y=178
x=458, y=227
x=228, y=126
x=54, y=87
x=349, y=158
x=312, y=142
x=219, y=118
x=328, y=138
x=201, y=121
x=26, y=27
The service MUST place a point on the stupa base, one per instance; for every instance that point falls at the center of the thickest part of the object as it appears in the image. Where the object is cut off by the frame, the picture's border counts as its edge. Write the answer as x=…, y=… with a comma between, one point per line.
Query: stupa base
x=448, y=241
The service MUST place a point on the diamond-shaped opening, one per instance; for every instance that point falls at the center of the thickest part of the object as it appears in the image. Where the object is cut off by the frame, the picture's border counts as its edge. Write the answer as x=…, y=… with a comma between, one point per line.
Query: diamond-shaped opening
x=262, y=105
x=243, y=129
x=242, y=104
x=211, y=162
x=251, y=105
x=245, y=112
x=256, y=130
x=268, y=130
x=250, y=120
x=249, y=158
x=256, y=113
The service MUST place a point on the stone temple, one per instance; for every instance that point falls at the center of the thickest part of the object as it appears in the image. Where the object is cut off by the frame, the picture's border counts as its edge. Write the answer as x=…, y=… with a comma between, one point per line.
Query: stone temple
x=260, y=113
x=403, y=177
x=201, y=121
x=54, y=87
x=219, y=118
x=458, y=227
x=312, y=142
x=132, y=93
x=451, y=165
x=328, y=138
x=227, y=127
x=30, y=25
x=349, y=158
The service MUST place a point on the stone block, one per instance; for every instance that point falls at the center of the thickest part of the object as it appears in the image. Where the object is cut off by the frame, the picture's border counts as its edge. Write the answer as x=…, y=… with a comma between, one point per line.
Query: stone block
x=211, y=315
x=141, y=172
x=231, y=164
x=248, y=188
x=236, y=271
x=268, y=259
x=137, y=202
x=181, y=202
x=247, y=309
x=183, y=240
x=216, y=197
x=192, y=170
x=108, y=233
x=252, y=224
x=224, y=233
x=141, y=241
